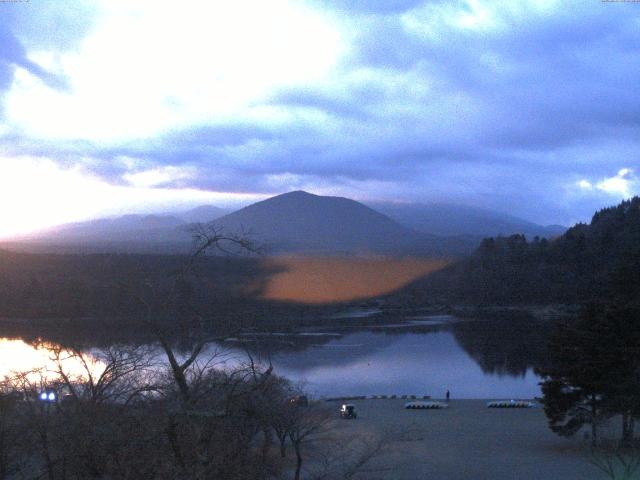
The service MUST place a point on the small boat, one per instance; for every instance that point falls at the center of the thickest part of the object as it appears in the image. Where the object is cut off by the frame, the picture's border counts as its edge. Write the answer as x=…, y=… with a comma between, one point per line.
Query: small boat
x=421, y=405
x=510, y=404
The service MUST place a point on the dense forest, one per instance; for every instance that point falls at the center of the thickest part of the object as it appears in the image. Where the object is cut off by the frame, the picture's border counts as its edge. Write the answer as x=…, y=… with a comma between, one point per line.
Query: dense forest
x=590, y=262
x=107, y=295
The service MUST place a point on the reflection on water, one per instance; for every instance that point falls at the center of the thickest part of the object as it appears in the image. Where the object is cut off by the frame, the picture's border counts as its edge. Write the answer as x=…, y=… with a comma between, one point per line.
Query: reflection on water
x=424, y=356
x=509, y=346
x=379, y=363
x=18, y=356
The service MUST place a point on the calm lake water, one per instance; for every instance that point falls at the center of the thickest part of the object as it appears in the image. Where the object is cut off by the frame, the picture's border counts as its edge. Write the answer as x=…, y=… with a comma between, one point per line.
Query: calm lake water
x=416, y=356
x=369, y=363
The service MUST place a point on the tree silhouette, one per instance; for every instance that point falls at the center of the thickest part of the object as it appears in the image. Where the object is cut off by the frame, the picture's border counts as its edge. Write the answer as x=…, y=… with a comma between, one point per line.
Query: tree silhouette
x=594, y=371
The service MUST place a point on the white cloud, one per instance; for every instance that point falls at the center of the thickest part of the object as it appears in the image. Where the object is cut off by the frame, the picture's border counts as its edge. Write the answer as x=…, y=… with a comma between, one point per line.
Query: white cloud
x=159, y=176
x=623, y=185
x=150, y=65
x=585, y=184
x=432, y=19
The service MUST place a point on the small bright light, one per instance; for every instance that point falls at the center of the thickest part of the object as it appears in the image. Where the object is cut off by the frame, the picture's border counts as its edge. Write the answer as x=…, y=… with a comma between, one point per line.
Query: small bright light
x=43, y=396
x=52, y=396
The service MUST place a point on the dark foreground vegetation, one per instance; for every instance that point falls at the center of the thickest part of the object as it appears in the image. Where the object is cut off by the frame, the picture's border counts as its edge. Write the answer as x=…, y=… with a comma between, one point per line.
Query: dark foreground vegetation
x=104, y=298
x=593, y=372
x=121, y=414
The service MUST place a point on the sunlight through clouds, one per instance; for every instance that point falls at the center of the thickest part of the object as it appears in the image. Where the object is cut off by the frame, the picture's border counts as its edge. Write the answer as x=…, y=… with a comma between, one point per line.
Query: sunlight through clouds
x=150, y=66
x=41, y=194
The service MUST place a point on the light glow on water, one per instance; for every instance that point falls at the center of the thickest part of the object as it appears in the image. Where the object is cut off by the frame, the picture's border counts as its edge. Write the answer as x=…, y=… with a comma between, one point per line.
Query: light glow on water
x=18, y=356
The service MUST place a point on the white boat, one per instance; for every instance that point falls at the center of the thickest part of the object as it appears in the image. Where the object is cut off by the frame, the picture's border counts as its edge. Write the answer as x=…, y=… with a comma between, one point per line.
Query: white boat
x=510, y=404
x=419, y=405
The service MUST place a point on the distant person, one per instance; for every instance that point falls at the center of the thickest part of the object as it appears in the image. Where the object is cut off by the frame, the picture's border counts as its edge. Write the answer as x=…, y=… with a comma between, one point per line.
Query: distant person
x=448, y=395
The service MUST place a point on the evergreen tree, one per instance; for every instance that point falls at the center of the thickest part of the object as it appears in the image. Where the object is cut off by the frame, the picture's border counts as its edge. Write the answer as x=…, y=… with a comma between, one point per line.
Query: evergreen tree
x=593, y=371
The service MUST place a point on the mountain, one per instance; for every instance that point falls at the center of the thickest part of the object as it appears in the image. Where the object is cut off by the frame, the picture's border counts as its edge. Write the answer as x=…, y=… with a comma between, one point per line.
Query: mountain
x=157, y=234
x=201, y=214
x=449, y=220
x=132, y=233
x=117, y=229
x=302, y=222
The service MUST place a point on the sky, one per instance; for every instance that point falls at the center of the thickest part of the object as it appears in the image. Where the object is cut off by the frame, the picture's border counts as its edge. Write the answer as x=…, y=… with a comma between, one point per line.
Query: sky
x=530, y=107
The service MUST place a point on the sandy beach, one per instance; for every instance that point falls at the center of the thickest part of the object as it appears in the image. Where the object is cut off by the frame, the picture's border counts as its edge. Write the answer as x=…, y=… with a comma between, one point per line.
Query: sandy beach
x=467, y=441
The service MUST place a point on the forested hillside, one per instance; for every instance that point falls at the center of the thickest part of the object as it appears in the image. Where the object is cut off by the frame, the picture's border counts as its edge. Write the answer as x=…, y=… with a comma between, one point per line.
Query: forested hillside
x=113, y=285
x=590, y=262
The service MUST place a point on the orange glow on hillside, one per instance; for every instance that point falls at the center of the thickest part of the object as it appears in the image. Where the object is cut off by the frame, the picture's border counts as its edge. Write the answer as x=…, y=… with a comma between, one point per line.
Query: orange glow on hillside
x=328, y=280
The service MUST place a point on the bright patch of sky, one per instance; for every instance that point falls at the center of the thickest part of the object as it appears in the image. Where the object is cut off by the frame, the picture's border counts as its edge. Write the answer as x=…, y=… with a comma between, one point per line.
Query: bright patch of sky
x=38, y=193
x=622, y=185
x=149, y=66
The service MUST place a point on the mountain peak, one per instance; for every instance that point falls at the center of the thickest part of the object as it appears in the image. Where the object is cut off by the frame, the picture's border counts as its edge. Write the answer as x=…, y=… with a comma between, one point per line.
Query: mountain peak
x=297, y=193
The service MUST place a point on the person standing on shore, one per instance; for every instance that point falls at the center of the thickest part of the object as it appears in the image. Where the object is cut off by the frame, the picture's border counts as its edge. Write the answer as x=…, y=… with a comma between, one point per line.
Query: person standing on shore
x=448, y=395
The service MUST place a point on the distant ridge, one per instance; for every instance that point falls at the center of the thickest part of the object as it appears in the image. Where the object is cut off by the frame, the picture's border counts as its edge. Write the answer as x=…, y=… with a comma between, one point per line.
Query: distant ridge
x=130, y=230
x=449, y=219
x=201, y=214
x=126, y=227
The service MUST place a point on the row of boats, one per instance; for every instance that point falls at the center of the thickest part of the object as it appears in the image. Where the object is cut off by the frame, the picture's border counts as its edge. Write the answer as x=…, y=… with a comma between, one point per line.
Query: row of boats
x=432, y=404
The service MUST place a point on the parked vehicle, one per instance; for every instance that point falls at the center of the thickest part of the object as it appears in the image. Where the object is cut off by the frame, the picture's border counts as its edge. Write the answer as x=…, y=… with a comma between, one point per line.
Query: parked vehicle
x=348, y=410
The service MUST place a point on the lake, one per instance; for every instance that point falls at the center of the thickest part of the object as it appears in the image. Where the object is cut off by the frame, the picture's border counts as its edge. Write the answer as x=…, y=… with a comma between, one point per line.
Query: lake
x=415, y=356
x=379, y=363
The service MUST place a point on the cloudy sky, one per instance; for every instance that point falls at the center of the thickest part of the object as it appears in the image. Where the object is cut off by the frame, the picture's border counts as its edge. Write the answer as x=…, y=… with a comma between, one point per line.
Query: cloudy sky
x=530, y=107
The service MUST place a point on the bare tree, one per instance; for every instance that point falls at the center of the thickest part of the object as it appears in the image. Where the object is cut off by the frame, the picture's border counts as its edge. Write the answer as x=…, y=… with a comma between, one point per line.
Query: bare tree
x=11, y=434
x=615, y=461
x=191, y=323
x=37, y=420
x=348, y=457
x=306, y=425
x=118, y=373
